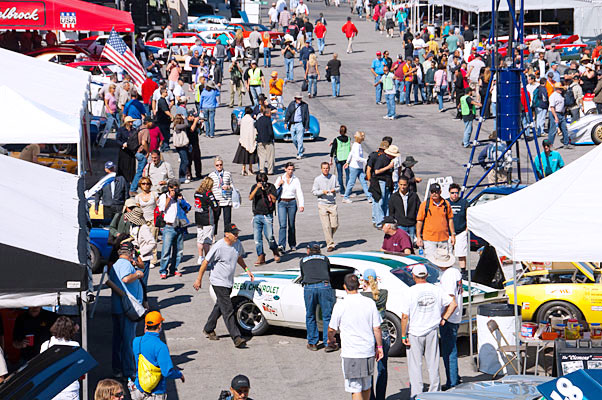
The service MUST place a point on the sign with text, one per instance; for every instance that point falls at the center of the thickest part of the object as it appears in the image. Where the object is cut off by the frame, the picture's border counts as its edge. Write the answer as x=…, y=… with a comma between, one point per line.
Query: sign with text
x=22, y=13
x=578, y=385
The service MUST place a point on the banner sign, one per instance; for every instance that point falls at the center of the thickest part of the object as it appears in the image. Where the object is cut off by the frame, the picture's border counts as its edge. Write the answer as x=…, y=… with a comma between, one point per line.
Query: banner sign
x=22, y=13
x=578, y=385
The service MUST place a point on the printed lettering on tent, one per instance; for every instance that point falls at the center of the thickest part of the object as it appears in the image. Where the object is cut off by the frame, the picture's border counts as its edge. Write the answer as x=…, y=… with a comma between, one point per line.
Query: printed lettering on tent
x=444, y=182
x=68, y=20
x=29, y=13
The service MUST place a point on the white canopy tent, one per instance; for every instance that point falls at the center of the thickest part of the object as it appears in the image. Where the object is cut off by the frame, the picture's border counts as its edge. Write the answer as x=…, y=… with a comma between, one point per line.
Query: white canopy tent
x=56, y=94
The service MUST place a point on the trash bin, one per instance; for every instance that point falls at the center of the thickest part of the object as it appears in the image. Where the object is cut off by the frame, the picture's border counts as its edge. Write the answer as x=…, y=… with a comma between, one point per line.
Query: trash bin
x=490, y=359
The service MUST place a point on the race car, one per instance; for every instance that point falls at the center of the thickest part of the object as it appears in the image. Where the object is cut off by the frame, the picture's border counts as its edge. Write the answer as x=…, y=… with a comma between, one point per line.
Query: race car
x=564, y=290
x=247, y=28
x=276, y=298
x=63, y=54
x=207, y=23
x=587, y=130
x=281, y=132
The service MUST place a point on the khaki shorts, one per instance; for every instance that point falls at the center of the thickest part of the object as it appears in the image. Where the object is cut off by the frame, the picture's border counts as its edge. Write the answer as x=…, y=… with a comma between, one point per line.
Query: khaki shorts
x=461, y=246
x=204, y=234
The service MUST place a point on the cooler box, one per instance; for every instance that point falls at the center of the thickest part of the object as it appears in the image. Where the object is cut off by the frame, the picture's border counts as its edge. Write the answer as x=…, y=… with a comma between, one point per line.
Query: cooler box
x=490, y=359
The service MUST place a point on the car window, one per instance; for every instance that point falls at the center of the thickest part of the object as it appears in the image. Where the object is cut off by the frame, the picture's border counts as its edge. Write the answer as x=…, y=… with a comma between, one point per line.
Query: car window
x=107, y=70
x=404, y=274
x=486, y=198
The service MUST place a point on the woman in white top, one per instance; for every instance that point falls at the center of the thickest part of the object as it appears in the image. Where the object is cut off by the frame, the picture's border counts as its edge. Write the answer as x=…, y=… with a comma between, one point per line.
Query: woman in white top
x=222, y=190
x=441, y=84
x=290, y=198
x=63, y=331
x=357, y=164
x=148, y=200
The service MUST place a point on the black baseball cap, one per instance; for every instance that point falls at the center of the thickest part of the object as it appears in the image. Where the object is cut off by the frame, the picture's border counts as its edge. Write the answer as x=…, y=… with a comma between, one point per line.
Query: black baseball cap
x=314, y=246
x=233, y=229
x=239, y=382
x=435, y=188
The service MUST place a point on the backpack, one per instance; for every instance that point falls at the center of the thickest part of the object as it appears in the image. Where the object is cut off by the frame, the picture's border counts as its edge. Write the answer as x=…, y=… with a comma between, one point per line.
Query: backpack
x=540, y=98
x=428, y=203
x=132, y=143
x=569, y=98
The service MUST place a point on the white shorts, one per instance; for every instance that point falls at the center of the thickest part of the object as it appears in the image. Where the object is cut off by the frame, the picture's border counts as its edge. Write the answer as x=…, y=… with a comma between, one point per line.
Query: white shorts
x=204, y=234
x=461, y=247
x=358, y=385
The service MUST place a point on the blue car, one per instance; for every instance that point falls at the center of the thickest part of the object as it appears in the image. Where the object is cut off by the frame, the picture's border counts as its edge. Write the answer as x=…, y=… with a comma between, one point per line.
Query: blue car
x=100, y=250
x=281, y=132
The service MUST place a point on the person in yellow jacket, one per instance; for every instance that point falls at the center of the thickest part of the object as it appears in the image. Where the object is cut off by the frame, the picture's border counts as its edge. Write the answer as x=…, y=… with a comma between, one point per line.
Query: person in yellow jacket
x=254, y=81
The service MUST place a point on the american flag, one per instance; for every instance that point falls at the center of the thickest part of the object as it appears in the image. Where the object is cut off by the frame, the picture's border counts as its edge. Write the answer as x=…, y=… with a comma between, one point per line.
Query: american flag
x=117, y=51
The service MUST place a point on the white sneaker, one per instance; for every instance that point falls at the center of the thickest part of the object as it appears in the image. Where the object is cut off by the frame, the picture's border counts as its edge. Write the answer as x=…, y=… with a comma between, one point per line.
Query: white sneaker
x=186, y=180
x=370, y=200
x=386, y=117
x=347, y=201
x=200, y=260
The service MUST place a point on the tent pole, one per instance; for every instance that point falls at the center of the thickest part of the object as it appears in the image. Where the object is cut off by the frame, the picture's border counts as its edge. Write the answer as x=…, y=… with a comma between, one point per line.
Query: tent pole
x=79, y=157
x=84, y=318
x=516, y=320
x=469, y=299
x=478, y=27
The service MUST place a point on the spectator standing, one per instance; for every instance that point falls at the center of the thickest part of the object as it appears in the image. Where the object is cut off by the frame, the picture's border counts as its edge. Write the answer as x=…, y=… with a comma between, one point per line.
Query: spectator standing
x=205, y=209
x=126, y=138
x=181, y=142
x=276, y=88
x=173, y=73
x=312, y=75
x=246, y=153
x=254, y=43
x=468, y=109
x=403, y=206
x=288, y=52
x=422, y=309
x=459, y=206
x=434, y=222
x=255, y=81
x=315, y=278
x=141, y=153
x=358, y=320
x=340, y=148
x=557, y=117
x=297, y=121
x=350, y=31
x=301, y=9
x=263, y=198
x=387, y=83
x=222, y=190
x=265, y=142
x=320, y=33
x=147, y=201
x=236, y=83
x=174, y=207
x=143, y=238
x=577, y=93
x=135, y=109
x=396, y=240
x=540, y=104
x=31, y=329
x=598, y=95
x=112, y=194
x=548, y=161
x=356, y=164
x=111, y=109
x=333, y=67
x=291, y=199
x=273, y=15
x=284, y=18
x=441, y=84
x=474, y=71
x=381, y=181
x=552, y=55
x=407, y=172
x=194, y=150
x=377, y=69
x=325, y=187
x=163, y=117
x=304, y=53
x=159, y=172
x=207, y=106
x=224, y=255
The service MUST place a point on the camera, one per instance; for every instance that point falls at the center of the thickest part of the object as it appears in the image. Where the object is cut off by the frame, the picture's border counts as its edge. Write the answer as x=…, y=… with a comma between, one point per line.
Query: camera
x=177, y=192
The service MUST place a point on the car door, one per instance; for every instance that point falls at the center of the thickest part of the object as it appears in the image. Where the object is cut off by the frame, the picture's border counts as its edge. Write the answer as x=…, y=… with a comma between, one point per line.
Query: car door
x=293, y=304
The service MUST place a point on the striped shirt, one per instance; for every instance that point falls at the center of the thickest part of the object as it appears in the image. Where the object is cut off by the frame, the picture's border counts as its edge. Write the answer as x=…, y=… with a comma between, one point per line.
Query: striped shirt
x=220, y=179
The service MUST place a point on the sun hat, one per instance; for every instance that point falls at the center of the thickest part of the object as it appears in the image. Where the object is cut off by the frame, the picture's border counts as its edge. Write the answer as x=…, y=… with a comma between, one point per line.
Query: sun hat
x=392, y=151
x=136, y=216
x=128, y=119
x=298, y=95
x=409, y=162
x=442, y=258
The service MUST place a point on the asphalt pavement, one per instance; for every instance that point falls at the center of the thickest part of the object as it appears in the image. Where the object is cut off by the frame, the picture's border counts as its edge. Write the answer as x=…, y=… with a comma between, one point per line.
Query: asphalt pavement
x=278, y=363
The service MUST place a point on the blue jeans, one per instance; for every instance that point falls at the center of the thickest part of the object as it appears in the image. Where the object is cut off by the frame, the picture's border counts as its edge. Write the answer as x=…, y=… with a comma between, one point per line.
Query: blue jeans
x=418, y=87
x=378, y=89
x=124, y=332
x=209, y=122
x=255, y=92
x=289, y=64
x=467, y=133
x=297, y=131
x=449, y=352
x=541, y=120
x=335, y=81
x=287, y=211
x=380, y=208
x=314, y=294
x=310, y=37
x=111, y=119
x=220, y=62
x=342, y=182
x=381, y=368
x=440, y=95
x=390, y=98
x=146, y=271
x=553, y=126
x=263, y=224
x=172, y=250
x=139, y=169
x=408, y=86
x=399, y=94
x=183, y=153
x=355, y=173
x=359, y=11
x=312, y=85
x=267, y=57
x=320, y=45
x=494, y=115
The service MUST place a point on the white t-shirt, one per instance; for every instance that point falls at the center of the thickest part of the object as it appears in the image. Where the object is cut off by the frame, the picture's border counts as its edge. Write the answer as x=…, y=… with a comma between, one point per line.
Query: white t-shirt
x=476, y=65
x=71, y=391
x=424, y=303
x=418, y=43
x=356, y=316
x=302, y=9
x=451, y=284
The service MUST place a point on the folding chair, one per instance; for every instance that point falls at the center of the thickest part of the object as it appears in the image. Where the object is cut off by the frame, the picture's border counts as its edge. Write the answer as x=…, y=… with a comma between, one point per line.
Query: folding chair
x=507, y=351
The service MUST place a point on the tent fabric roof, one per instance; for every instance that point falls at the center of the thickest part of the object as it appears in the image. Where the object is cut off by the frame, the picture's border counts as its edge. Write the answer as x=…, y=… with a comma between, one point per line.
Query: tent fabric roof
x=555, y=219
x=64, y=15
x=56, y=94
x=480, y=6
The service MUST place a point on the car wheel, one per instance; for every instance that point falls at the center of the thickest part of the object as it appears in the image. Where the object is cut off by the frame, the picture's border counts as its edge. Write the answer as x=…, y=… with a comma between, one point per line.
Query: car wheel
x=234, y=125
x=95, y=261
x=154, y=36
x=393, y=323
x=249, y=317
x=560, y=309
x=63, y=148
x=597, y=133
x=591, y=111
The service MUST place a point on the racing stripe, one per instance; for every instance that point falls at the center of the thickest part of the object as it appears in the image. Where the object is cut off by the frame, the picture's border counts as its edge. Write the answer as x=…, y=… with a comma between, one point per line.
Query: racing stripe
x=276, y=276
x=372, y=258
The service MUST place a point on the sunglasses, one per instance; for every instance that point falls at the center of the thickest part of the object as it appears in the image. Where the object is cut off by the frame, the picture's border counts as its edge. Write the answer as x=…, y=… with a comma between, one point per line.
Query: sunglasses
x=145, y=184
x=454, y=192
x=218, y=165
x=120, y=394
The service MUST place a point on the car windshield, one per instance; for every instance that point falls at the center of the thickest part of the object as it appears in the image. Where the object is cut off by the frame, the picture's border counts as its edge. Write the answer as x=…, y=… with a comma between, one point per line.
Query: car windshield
x=107, y=70
x=404, y=274
x=486, y=198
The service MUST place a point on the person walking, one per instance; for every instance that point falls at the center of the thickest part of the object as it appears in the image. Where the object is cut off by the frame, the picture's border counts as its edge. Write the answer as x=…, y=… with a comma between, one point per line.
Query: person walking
x=205, y=209
x=236, y=83
x=387, y=83
x=434, y=222
x=359, y=323
x=356, y=162
x=255, y=81
x=440, y=84
x=222, y=190
x=459, y=206
x=174, y=207
x=291, y=199
x=312, y=75
x=246, y=153
x=333, y=67
x=265, y=142
x=557, y=117
x=296, y=119
x=381, y=181
x=181, y=144
x=403, y=206
x=340, y=148
x=468, y=110
x=141, y=153
x=377, y=69
x=288, y=52
x=263, y=200
x=351, y=32
x=152, y=355
x=142, y=238
x=207, y=105
x=159, y=172
x=325, y=187
x=304, y=52
x=315, y=279
x=422, y=311
x=113, y=193
x=223, y=255
x=147, y=200
x=407, y=172
x=320, y=34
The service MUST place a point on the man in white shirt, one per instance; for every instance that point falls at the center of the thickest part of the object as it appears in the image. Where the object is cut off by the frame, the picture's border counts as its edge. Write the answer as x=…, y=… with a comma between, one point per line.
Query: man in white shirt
x=358, y=321
x=531, y=85
x=557, y=117
x=273, y=14
x=254, y=43
x=179, y=91
x=422, y=306
x=451, y=284
x=159, y=171
x=157, y=95
x=174, y=209
x=419, y=46
x=301, y=9
x=474, y=70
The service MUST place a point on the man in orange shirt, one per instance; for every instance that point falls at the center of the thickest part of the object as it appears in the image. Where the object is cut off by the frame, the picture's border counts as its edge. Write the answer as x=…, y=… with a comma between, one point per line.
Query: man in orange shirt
x=409, y=69
x=276, y=88
x=434, y=223
x=550, y=83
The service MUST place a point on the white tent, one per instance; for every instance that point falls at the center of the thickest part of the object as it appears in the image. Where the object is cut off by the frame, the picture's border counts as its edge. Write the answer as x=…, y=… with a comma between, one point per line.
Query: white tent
x=53, y=91
x=555, y=219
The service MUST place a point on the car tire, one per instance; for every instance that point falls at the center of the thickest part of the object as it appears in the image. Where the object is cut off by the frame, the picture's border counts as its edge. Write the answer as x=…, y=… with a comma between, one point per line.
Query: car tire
x=95, y=260
x=591, y=111
x=154, y=36
x=558, y=308
x=249, y=317
x=63, y=149
x=393, y=322
x=234, y=124
x=597, y=133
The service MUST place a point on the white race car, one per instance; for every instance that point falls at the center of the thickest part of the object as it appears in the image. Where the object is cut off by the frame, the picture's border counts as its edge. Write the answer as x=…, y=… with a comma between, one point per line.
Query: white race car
x=587, y=130
x=276, y=298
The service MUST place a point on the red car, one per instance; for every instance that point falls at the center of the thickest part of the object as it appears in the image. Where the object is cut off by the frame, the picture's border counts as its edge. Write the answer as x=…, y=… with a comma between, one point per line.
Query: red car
x=62, y=54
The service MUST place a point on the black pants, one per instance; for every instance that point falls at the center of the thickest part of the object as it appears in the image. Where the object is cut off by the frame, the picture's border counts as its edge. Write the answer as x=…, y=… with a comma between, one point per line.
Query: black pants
x=254, y=53
x=164, y=128
x=194, y=157
x=224, y=308
x=227, y=210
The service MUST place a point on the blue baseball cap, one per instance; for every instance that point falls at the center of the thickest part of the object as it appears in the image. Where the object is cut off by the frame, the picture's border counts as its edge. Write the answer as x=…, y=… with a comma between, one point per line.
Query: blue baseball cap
x=369, y=273
x=149, y=74
x=109, y=165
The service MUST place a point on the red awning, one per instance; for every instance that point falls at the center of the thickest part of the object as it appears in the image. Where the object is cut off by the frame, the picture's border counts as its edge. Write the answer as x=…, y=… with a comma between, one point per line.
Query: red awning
x=63, y=15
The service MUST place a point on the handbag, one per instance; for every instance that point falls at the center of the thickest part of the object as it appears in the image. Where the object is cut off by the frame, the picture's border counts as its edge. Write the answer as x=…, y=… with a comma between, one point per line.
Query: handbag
x=328, y=78
x=132, y=308
x=180, y=139
x=304, y=86
x=236, y=199
x=159, y=217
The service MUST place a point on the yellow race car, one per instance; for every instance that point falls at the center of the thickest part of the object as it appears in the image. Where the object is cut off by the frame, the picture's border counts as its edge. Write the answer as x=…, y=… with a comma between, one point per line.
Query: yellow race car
x=564, y=290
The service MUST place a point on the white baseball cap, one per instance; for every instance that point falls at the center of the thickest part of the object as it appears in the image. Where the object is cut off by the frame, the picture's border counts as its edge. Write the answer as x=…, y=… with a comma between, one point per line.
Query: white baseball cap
x=420, y=271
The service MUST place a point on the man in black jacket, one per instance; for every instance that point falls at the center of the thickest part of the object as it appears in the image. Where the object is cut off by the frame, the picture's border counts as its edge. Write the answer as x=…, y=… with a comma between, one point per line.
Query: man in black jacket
x=265, y=142
x=403, y=206
x=297, y=121
x=113, y=193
